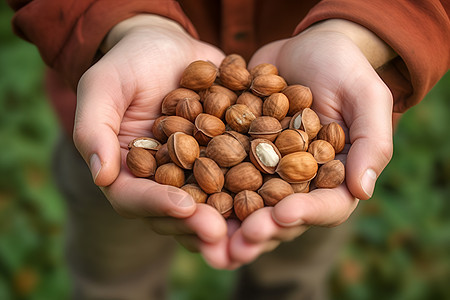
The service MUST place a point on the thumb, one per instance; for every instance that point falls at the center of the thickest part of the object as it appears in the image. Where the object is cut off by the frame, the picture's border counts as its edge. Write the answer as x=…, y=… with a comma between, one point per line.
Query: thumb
x=97, y=124
x=370, y=131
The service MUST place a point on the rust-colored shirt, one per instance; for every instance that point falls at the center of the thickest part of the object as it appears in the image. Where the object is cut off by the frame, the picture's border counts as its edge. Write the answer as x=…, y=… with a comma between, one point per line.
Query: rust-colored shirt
x=68, y=33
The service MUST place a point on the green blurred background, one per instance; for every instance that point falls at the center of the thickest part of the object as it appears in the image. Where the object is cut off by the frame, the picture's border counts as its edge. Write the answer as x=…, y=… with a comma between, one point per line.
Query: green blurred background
x=400, y=247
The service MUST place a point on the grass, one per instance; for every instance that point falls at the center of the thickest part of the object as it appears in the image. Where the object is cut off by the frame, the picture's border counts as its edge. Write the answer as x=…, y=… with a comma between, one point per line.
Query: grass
x=401, y=238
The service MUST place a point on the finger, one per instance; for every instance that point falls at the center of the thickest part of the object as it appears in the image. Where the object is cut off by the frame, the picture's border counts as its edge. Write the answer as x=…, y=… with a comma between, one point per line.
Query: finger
x=320, y=207
x=260, y=227
x=140, y=197
x=206, y=223
x=97, y=123
x=370, y=129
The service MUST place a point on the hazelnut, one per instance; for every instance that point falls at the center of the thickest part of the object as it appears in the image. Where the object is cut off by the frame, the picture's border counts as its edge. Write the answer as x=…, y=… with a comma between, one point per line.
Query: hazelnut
x=221, y=201
x=263, y=69
x=235, y=78
x=243, y=176
x=264, y=155
x=299, y=97
x=172, y=124
x=334, y=134
x=170, y=101
x=276, y=105
x=216, y=104
x=246, y=202
x=265, y=127
x=285, y=122
x=146, y=143
x=292, y=140
x=217, y=88
x=226, y=150
x=242, y=138
x=306, y=120
x=157, y=129
x=141, y=162
x=233, y=59
x=274, y=190
x=208, y=174
x=297, y=167
x=206, y=127
x=239, y=117
x=170, y=174
x=266, y=85
x=196, y=192
x=183, y=149
x=301, y=187
x=189, y=109
x=199, y=75
x=162, y=155
x=330, y=175
x=322, y=151
x=253, y=102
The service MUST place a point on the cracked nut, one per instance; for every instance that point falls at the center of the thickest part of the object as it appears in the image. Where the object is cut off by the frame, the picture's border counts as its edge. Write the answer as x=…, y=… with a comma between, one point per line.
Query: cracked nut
x=183, y=149
x=292, y=140
x=146, y=143
x=206, y=127
x=306, y=120
x=322, y=151
x=264, y=155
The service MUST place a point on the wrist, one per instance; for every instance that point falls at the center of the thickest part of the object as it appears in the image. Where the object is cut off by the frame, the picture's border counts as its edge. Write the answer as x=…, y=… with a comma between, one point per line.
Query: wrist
x=377, y=52
x=134, y=23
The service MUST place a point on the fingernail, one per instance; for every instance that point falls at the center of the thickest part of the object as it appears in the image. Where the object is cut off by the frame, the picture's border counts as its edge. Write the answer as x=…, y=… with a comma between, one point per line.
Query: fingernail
x=180, y=199
x=95, y=165
x=368, y=182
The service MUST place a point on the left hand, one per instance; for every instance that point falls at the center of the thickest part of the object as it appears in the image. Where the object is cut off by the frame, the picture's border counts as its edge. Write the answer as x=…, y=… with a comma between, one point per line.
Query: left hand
x=347, y=90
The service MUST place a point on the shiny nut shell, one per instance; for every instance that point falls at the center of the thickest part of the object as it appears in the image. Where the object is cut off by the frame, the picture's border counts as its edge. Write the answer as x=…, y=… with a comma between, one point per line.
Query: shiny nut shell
x=253, y=102
x=264, y=155
x=276, y=105
x=170, y=101
x=217, y=88
x=308, y=121
x=330, y=175
x=266, y=85
x=208, y=175
x=234, y=77
x=199, y=75
x=183, y=149
x=322, y=151
x=333, y=134
x=157, y=129
x=226, y=150
x=244, y=176
x=299, y=96
x=207, y=127
x=216, y=104
x=242, y=138
x=172, y=124
x=141, y=162
x=263, y=69
x=170, y=174
x=146, y=143
x=292, y=140
x=274, y=190
x=189, y=109
x=239, y=117
x=265, y=127
x=297, y=167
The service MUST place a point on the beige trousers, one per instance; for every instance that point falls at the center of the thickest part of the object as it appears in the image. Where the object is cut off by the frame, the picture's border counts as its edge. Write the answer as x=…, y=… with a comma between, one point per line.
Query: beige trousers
x=110, y=257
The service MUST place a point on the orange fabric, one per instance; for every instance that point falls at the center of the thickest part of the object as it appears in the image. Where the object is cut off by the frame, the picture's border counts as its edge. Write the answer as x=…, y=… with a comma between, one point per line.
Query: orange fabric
x=68, y=33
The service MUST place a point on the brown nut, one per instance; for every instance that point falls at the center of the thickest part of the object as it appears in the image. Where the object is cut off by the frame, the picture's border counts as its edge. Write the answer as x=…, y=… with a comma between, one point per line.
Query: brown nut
x=242, y=138
x=170, y=101
x=141, y=162
x=216, y=104
x=264, y=155
x=221, y=201
x=301, y=187
x=146, y=143
x=297, y=167
x=170, y=174
x=292, y=140
x=243, y=176
x=162, y=155
x=253, y=102
x=217, y=88
x=235, y=78
x=239, y=117
x=263, y=69
x=330, y=175
x=233, y=59
x=285, y=122
x=308, y=121
x=172, y=124
x=266, y=85
x=274, y=190
x=226, y=150
x=299, y=96
x=206, y=127
x=183, y=149
x=276, y=105
x=157, y=129
x=265, y=127
x=196, y=192
x=199, y=75
x=246, y=202
x=322, y=151
x=208, y=174
x=334, y=134
x=189, y=109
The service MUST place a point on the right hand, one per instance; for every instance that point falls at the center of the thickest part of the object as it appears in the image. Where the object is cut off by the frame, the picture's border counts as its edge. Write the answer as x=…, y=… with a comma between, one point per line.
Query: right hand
x=119, y=98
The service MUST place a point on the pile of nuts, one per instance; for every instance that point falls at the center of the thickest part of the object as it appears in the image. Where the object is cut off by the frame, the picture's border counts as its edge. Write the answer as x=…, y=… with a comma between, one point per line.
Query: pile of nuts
x=239, y=139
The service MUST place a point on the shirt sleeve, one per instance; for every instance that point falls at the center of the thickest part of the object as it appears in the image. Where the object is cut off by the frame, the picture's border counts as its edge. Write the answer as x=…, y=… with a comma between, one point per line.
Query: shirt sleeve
x=419, y=31
x=68, y=33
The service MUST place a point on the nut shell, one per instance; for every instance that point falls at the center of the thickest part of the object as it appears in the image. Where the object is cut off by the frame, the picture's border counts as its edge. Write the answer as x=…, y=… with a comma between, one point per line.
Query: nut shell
x=297, y=167
x=276, y=105
x=265, y=127
x=196, y=192
x=266, y=85
x=253, y=102
x=157, y=129
x=206, y=127
x=244, y=176
x=322, y=151
x=226, y=150
x=208, y=174
x=292, y=140
x=264, y=155
x=263, y=69
x=199, y=75
x=299, y=97
x=141, y=162
x=239, y=117
x=330, y=175
x=333, y=134
x=216, y=104
x=170, y=101
x=223, y=202
x=146, y=143
x=308, y=121
x=246, y=202
x=274, y=190
x=183, y=149
x=189, y=109
x=217, y=88
x=172, y=124
x=170, y=174
x=234, y=77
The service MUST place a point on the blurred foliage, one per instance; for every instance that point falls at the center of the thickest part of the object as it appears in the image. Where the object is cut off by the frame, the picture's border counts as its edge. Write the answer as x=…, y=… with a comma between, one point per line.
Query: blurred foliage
x=401, y=242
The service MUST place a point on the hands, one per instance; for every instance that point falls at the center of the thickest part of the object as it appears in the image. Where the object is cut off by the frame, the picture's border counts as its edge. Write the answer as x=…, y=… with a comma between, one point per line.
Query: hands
x=120, y=96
